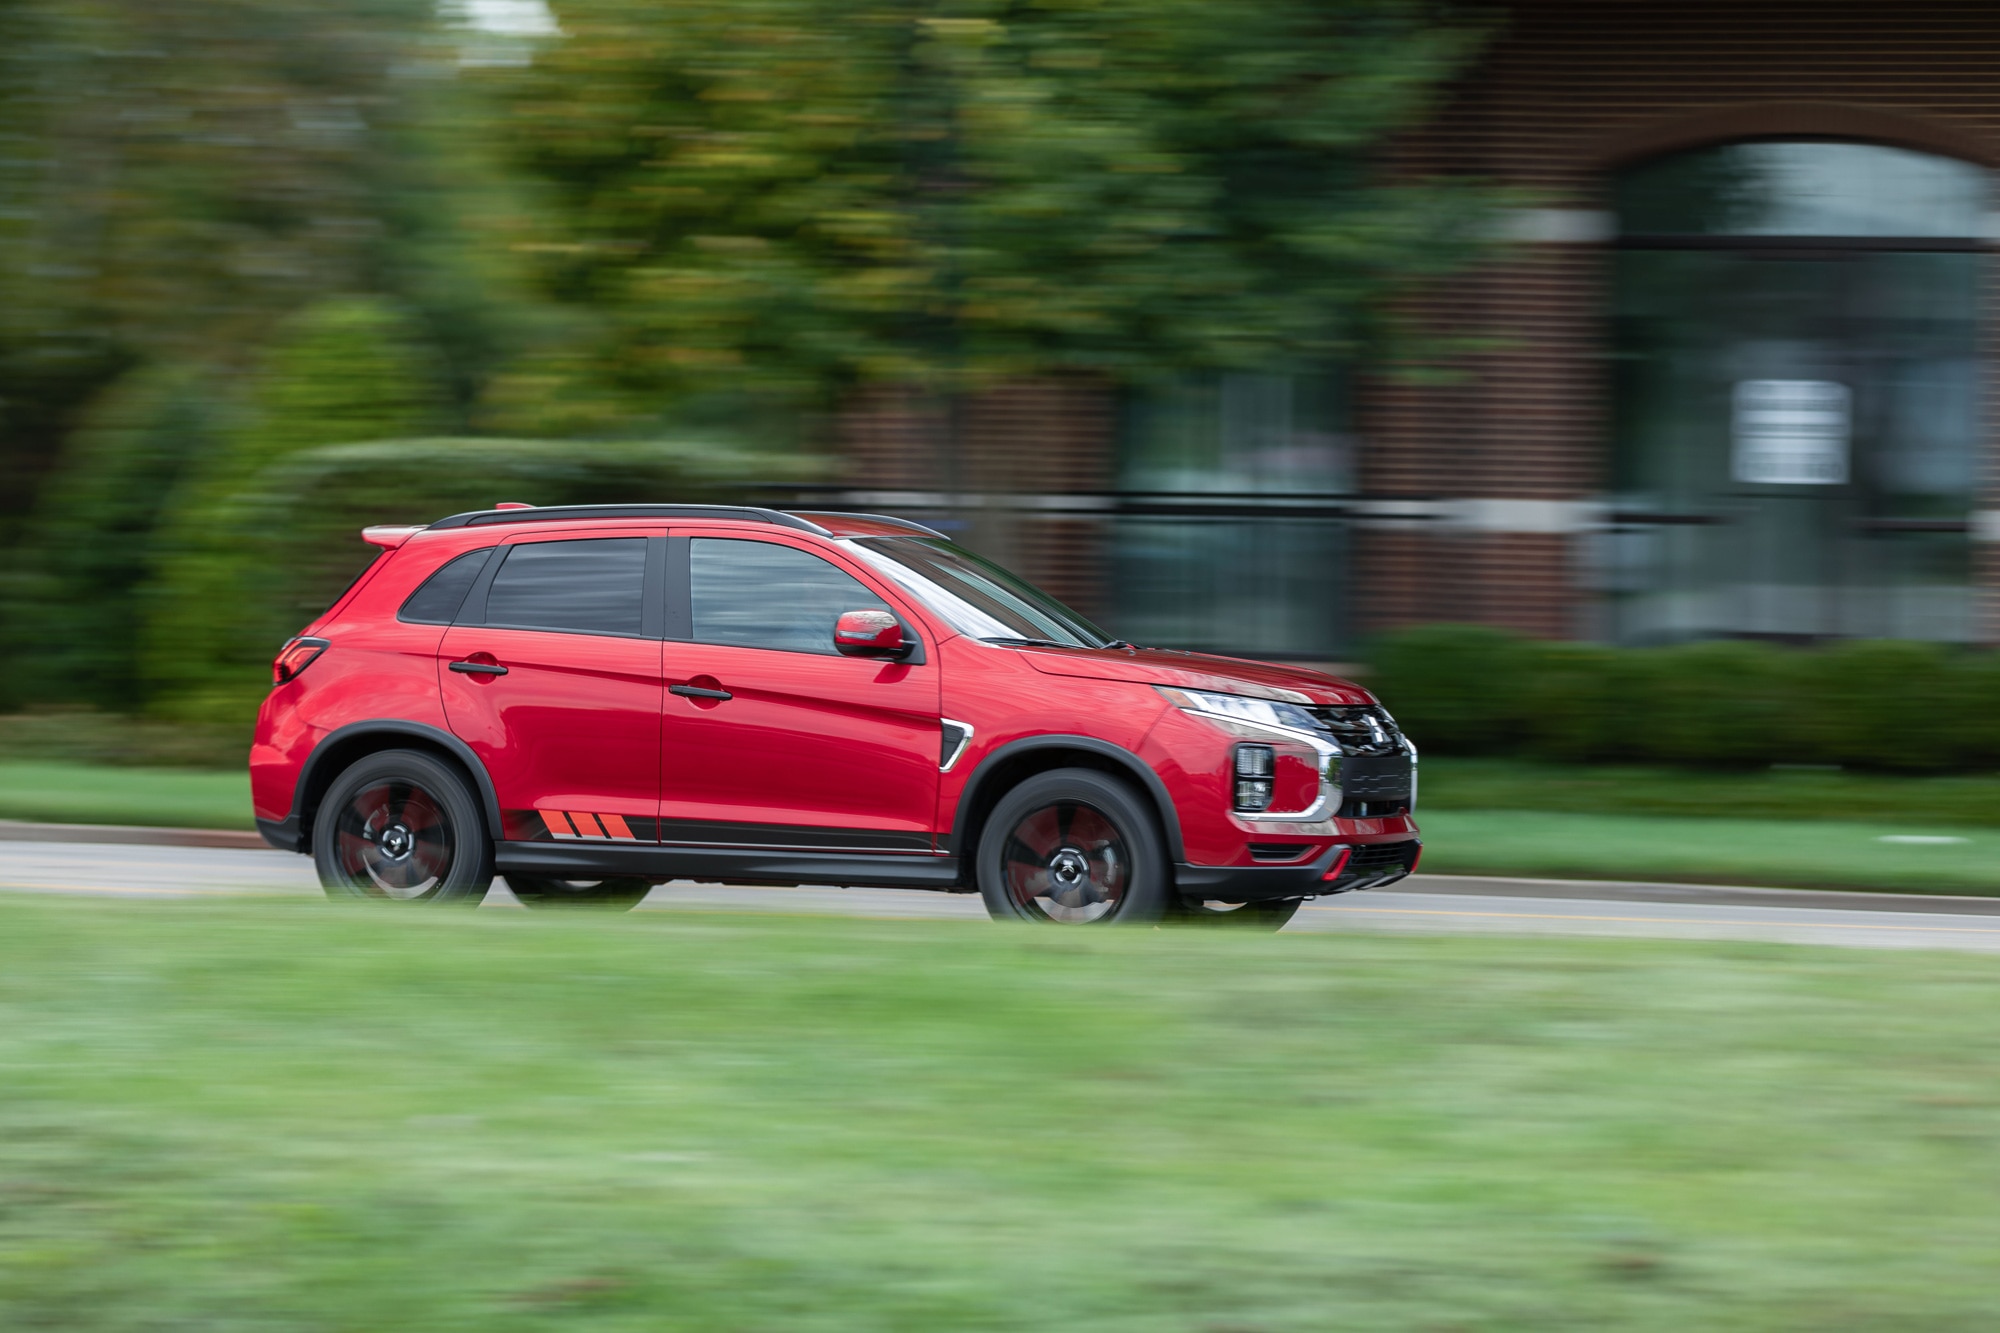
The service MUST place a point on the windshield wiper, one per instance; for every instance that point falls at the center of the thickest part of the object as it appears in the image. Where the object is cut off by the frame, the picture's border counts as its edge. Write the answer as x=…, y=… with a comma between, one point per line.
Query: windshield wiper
x=1012, y=642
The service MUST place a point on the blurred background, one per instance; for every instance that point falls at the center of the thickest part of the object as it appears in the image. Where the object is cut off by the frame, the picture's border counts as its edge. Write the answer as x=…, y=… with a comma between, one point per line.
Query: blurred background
x=1603, y=383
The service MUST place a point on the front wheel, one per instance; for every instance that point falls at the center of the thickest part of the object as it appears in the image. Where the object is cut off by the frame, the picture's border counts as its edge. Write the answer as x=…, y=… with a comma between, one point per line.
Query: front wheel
x=402, y=826
x=1074, y=847
x=611, y=894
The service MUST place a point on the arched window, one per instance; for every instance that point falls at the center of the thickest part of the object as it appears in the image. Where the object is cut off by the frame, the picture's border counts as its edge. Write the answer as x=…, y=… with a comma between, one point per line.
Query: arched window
x=1796, y=331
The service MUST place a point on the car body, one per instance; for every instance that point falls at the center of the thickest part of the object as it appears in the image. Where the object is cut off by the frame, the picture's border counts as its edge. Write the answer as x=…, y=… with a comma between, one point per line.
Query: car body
x=667, y=701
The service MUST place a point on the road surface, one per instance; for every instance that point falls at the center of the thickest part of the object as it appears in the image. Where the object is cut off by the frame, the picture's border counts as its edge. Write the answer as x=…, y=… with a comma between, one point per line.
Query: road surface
x=1426, y=904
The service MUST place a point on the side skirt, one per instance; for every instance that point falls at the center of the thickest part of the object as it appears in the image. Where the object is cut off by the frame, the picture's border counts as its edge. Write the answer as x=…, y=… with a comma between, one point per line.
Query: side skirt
x=736, y=865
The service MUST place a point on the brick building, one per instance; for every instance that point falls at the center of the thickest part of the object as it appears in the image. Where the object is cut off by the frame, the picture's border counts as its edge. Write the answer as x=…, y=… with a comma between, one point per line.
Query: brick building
x=1734, y=382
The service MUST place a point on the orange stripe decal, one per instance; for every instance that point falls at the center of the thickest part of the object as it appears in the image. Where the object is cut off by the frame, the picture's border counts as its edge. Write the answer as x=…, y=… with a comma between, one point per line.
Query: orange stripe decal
x=558, y=823
x=586, y=823
x=616, y=826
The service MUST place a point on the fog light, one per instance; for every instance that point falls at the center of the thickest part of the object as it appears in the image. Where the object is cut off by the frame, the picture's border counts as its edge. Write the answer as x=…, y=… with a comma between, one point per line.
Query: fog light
x=1254, y=766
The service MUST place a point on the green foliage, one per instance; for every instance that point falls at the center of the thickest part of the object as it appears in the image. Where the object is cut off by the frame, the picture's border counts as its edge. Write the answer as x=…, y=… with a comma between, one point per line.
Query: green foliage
x=72, y=606
x=344, y=370
x=1459, y=689
x=1883, y=705
x=807, y=194
x=178, y=175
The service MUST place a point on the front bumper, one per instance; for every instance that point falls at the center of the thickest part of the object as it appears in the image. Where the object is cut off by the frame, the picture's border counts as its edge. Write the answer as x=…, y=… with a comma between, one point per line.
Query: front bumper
x=1369, y=865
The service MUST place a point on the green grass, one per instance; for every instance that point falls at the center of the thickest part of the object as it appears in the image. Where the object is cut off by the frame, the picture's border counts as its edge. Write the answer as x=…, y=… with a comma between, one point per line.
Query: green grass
x=64, y=792
x=274, y=1115
x=1797, y=853
x=1451, y=783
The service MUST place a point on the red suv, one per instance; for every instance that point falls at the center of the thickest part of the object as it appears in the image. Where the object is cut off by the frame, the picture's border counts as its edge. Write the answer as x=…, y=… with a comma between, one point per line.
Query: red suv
x=595, y=699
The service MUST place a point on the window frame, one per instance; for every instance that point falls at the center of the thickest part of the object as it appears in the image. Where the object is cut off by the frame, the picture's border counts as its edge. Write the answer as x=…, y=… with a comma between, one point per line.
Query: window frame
x=472, y=612
x=679, y=609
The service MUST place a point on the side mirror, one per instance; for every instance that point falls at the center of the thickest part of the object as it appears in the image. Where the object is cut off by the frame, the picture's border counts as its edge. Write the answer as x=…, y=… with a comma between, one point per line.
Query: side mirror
x=869, y=634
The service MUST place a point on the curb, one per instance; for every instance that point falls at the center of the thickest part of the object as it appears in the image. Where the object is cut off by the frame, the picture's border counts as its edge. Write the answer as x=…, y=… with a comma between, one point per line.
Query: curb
x=19, y=830
x=1636, y=891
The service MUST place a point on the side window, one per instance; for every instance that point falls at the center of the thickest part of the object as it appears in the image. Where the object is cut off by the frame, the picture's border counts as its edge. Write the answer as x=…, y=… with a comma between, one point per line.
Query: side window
x=593, y=586
x=761, y=595
x=437, y=600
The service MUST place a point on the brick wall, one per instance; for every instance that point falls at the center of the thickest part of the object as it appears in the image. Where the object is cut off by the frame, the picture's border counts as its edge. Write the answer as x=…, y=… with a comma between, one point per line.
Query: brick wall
x=1571, y=89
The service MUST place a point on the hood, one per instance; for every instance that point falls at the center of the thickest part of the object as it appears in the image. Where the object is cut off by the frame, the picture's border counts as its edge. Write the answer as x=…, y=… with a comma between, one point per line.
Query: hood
x=1198, y=671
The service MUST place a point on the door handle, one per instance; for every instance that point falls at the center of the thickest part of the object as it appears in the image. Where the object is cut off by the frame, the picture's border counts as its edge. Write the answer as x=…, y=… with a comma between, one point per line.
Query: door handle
x=699, y=692
x=479, y=668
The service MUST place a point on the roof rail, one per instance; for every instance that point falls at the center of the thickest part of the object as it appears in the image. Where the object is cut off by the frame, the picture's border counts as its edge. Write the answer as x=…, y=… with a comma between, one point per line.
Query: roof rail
x=872, y=518
x=559, y=513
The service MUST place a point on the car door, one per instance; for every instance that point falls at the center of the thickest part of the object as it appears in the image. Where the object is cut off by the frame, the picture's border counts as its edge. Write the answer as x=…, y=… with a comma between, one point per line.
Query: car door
x=551, y=673
x=791, y=744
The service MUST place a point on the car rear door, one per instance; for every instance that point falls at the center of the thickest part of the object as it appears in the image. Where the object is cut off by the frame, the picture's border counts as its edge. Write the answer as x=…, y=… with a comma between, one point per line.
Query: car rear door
x=551, y=673
x=810, y=749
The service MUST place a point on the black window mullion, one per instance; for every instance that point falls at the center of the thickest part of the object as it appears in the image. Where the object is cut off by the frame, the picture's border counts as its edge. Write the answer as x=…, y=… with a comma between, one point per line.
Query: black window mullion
x=653, y=616
x=678, y=605
x=473, y=610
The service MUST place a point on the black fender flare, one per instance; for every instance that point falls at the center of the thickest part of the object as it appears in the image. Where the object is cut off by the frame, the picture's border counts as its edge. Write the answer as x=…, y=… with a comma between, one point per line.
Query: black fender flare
x=1130, y=763
x=339, y=738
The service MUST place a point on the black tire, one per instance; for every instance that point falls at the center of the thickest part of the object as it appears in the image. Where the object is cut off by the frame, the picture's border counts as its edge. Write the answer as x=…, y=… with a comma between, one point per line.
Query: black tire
x=402, y=826
x=1075, y=847
x=609, y=894
x=1266, y=916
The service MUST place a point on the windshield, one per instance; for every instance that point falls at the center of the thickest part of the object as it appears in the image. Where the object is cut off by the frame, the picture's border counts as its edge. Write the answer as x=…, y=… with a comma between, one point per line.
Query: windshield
x=976, y=597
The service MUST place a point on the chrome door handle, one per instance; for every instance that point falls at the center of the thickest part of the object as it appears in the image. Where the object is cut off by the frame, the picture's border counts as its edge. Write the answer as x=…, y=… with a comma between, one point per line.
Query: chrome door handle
x=698, y=692
x=479, y=668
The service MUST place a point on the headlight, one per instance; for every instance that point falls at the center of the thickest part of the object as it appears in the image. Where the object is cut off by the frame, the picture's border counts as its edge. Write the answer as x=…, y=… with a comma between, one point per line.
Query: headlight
x=1241, y=708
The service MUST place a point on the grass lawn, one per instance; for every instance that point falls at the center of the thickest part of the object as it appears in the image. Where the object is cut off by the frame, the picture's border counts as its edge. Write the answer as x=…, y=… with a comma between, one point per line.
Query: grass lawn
x=1797, y=853
x=73, y=793
x=287, y=1115
x=1620, y=789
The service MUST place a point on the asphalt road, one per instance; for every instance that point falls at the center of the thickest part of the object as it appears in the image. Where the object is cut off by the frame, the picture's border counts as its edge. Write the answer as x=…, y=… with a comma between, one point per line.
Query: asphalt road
x=1426, y=904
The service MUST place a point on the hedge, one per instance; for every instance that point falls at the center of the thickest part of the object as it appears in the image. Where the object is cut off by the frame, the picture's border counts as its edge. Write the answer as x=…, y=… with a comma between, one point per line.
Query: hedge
x=1877, y=704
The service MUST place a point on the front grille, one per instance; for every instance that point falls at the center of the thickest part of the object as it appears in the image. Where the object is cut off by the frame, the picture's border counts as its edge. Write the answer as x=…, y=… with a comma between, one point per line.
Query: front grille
x=1360, y=729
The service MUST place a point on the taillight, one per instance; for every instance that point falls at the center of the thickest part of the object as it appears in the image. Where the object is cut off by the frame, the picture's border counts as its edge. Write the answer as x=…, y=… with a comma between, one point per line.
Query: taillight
x=294, y=657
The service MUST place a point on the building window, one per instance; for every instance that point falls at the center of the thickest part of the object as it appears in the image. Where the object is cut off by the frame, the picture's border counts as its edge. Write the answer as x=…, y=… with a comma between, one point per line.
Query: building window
x=1796, y=403
x=1227, y=537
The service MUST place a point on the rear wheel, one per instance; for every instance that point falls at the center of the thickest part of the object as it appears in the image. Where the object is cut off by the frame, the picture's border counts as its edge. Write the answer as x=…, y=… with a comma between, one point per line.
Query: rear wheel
x=402, y=826
x=610, y=894
x=1270, y=916
x=1073, y=847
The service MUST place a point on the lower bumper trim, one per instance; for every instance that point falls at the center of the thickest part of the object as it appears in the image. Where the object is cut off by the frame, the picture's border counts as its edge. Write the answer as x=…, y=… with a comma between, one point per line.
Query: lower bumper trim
x=1369, y=866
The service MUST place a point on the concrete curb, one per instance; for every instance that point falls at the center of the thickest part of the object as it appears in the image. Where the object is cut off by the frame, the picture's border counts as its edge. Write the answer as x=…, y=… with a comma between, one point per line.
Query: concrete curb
x=18, y=830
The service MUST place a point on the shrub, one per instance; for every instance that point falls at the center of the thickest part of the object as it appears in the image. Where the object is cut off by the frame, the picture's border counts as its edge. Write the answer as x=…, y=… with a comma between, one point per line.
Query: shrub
x=1880, y=704
x=1457, y=688
x=1723, y=702
x=1887, y=704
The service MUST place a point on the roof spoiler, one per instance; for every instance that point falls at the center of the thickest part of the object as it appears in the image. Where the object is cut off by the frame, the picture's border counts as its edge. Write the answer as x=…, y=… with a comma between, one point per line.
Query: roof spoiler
x=389, y=536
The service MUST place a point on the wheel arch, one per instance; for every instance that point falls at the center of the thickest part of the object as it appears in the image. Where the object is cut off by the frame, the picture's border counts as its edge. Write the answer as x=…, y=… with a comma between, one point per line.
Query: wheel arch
x=340, y=748
x=1000, y=771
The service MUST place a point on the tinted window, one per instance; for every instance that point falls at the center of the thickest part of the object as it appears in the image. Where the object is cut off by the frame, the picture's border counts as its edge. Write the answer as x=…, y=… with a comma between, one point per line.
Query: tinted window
x=761, y=595
x=438, y=600
x=587, y=587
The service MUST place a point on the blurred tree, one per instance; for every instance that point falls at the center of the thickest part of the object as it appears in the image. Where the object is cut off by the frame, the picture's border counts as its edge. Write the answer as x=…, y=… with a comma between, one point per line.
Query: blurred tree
x=808, y=194
x=176, y=175
x=345, y=370
x=71, y=608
